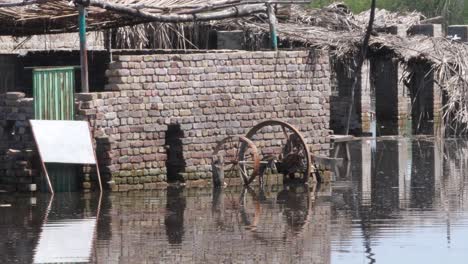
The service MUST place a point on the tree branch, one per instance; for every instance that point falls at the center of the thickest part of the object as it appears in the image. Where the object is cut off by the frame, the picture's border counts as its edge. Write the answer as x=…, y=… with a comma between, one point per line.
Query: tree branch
x=237, y=11
x=21, y=3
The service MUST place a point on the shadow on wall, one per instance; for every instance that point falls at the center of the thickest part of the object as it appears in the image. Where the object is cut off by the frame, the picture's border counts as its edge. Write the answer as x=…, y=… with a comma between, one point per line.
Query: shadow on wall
x=175, y=163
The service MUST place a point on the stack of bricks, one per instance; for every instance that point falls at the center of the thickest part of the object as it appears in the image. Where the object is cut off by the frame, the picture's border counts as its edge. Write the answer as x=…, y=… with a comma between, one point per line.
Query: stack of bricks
x=131, y=155
x=207, y=97
x=16, y=167
x=16, y=141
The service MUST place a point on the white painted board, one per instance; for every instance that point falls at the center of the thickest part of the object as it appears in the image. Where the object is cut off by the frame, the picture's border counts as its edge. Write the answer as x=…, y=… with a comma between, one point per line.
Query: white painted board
x=61, y=141
x=66, y=241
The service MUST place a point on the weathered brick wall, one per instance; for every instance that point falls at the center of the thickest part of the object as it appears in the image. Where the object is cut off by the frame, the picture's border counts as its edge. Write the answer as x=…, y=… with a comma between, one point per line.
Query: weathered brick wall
x=163, y=111
x=205, y=97
x=16, y=142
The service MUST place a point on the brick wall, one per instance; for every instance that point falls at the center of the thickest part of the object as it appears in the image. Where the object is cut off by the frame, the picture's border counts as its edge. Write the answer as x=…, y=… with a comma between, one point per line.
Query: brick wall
x=17, y=151
x=168, y=111
x=204, y=97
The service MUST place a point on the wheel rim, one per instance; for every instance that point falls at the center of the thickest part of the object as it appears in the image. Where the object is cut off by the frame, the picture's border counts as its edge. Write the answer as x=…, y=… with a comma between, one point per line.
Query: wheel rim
x=294, y=151
x=240, y=156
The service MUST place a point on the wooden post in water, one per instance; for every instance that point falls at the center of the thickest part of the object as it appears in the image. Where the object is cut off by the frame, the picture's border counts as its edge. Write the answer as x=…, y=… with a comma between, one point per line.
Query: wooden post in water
x=218, y=172
x=83, y=49
x=272, y=21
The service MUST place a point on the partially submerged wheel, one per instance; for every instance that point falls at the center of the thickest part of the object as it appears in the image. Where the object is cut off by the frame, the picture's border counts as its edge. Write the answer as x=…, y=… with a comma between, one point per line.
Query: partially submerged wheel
x=281, y=141
x=237, y=156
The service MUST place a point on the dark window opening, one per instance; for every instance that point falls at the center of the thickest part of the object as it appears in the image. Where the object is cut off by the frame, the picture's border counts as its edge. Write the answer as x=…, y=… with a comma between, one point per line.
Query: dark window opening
x=175, y=163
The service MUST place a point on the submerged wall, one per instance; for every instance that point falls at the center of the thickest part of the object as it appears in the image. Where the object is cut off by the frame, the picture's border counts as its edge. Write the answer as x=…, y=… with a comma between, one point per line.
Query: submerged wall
x=162, y=114
x=167, y=112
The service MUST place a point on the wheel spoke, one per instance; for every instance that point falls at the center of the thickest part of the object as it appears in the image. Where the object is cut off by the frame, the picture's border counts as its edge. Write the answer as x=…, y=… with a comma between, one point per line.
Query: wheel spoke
x=285, y=132
x=241, y=158
x=230, y=171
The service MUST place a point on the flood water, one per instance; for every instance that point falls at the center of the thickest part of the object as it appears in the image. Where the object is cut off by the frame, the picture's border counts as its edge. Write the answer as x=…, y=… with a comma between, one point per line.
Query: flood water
x=397, y=201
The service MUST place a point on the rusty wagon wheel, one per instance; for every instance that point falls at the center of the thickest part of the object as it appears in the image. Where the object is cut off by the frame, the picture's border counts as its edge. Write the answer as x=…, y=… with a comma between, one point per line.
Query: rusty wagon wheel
x=283, y=142
x=238, y=155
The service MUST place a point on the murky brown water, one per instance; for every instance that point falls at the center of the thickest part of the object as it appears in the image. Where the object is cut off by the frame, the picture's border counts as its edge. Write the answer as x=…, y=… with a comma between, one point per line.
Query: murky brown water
x=398, y=201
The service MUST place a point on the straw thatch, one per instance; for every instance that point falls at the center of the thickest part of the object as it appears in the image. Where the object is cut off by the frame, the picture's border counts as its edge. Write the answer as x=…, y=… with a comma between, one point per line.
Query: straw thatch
x=26, y=17
x=336, y=29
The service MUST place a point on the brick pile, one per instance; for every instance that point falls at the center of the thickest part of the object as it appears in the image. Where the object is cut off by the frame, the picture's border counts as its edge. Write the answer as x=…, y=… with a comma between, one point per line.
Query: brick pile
x=16, y=142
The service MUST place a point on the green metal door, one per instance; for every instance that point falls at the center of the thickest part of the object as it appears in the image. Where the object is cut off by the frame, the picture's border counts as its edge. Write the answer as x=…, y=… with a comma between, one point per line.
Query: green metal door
x=54, y=96
x=54, y=90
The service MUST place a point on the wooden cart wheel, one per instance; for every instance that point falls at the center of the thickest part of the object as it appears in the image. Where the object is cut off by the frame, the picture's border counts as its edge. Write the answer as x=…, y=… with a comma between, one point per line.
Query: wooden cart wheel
x=285, y=143
x=238, y=155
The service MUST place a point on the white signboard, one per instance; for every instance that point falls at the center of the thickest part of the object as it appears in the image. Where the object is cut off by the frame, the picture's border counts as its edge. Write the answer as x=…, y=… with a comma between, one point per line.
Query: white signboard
x=63, y=141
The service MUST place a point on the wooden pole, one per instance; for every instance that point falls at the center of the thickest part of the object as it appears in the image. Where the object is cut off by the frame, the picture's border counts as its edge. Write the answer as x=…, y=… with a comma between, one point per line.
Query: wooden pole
x=272, y=21
x=95, y=159
x=109, y=44
x=44, y=168
x=83, y=49
x=360, y=61
x=49, y=184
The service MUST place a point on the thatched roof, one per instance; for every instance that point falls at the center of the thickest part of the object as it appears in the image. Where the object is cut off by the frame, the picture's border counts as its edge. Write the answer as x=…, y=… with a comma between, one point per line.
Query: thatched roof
x=338, y=30
x=28, y=17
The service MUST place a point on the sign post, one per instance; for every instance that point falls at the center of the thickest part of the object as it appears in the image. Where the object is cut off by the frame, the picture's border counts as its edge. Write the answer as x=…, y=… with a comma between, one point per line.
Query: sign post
x=67, y=142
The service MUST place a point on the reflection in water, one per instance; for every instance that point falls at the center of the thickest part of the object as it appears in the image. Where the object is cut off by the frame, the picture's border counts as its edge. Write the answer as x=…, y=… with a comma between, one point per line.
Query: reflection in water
x=68, y=231
x=408, y=211
x=174, y=218
x=295, y=201
x=50, y=229
x=404, y=202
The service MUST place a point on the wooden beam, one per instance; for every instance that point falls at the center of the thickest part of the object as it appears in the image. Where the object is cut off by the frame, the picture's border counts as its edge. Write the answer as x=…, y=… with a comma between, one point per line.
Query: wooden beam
x=236, y=11
x=21, y=3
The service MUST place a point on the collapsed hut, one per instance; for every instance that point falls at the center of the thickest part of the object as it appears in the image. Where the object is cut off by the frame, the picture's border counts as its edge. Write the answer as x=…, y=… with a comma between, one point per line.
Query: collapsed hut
x=166, y=80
